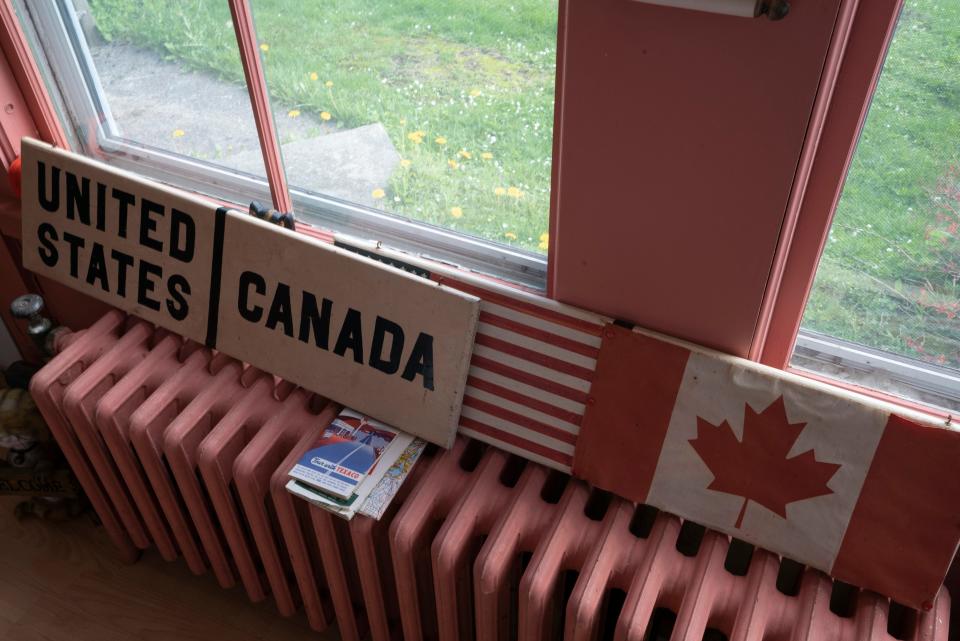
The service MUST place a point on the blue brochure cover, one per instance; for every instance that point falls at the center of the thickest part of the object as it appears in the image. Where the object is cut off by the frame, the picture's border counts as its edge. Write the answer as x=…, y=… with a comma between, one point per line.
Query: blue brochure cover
x=344, y=454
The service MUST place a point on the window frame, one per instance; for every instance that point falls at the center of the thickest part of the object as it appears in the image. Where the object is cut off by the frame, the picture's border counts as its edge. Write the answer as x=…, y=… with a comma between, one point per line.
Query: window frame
x=846, y=101
x=80, y=89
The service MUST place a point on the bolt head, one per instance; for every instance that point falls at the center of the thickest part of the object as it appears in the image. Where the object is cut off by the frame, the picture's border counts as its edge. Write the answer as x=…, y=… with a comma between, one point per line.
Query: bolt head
x=26, y=306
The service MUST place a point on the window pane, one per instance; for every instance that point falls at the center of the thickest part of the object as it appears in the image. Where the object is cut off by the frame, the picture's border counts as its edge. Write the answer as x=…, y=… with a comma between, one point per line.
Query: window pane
x=890, y=273
x=139, y=84
x=436, y=110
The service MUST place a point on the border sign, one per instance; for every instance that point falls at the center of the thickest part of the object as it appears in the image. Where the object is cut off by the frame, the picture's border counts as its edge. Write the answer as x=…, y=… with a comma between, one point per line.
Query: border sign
x=375, y=338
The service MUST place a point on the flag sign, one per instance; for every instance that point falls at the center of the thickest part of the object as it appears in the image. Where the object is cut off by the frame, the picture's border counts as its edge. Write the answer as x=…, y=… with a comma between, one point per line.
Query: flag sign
x=375, y=338
x=860, y=489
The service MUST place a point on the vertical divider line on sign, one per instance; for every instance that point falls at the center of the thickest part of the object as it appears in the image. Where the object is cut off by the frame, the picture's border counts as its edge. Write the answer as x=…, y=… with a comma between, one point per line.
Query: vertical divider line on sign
x=242, y=15
x=216, y=275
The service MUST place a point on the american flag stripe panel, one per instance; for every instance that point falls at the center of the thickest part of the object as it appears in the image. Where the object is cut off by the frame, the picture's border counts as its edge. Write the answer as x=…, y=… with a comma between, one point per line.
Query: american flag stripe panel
x=532, y=367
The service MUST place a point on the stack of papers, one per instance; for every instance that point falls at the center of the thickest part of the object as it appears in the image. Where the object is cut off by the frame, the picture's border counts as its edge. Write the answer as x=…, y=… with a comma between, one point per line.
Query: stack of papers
x=355, y=466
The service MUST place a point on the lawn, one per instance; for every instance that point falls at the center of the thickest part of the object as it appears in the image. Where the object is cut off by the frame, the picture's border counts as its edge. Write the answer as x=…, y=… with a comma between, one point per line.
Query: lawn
x=890, y=275
x=464, y=89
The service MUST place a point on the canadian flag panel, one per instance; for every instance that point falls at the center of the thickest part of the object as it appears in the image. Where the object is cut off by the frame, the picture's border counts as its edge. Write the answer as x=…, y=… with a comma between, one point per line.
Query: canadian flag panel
x=852, y=486
x=761, y=458
x=531, y=372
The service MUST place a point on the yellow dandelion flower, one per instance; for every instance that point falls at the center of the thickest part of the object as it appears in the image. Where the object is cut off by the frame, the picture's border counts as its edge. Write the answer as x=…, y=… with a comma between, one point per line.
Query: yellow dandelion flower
x=178, y=133
x=314, y=76
x=378, y=193
x=405, y=162
x=328, y=84
x=264, y=47
x=474, y=93
x=486, y=155
x=453, y=164
x=416, y=136
x=440, y=140
x=544, y=245
x=510, y=235
x=544, y=237
x=465, y=154
x=325, y=115
x=513, y=192
x=456, y=212
x=294, y=113
x=500, y=191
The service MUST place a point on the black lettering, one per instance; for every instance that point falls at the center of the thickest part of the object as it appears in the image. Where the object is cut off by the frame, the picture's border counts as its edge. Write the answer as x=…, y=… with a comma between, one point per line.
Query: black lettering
x=318, y=320
x=75, y=243
x=247, y=278
x=124, y=262
x=179, y=289
x=181, y=223
x=47, y=235
x=51, y=204
x=351, y=336
x=97, y=269
x=78, y=198
x=124, y=200
x=421, y=361
x=381, y=328
x=146, y=285
x=101, y=207
x=280, y=310
x=149, y=224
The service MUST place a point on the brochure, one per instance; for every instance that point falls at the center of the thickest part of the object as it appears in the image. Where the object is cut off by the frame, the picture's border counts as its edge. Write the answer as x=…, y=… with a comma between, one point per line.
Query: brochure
x=371, y=499
x=347, y=452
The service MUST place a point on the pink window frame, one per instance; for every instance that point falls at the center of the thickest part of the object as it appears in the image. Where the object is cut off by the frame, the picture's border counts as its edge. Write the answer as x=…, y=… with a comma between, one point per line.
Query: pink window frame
x=23, y=90
x=842, y=110
x=242, y=15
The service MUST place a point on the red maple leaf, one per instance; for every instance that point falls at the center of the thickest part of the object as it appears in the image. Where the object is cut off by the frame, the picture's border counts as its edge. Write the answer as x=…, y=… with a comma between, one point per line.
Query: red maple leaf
x=757, y=467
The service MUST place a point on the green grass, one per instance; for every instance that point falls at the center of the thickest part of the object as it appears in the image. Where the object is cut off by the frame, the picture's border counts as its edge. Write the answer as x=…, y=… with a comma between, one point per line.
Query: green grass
x=477, y=75
x=481, y=76
x=889, y=275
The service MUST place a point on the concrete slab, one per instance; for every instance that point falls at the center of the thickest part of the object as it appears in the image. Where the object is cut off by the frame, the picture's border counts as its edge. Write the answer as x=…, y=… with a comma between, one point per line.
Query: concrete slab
x=348, y=164
x=165, y=104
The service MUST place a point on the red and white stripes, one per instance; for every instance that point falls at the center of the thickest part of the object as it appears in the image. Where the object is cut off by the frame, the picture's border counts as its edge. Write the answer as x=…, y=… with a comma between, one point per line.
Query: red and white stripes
x=530, y=375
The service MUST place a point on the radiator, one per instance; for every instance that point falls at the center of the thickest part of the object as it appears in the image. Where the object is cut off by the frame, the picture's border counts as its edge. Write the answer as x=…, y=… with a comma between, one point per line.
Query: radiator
x=187, y=451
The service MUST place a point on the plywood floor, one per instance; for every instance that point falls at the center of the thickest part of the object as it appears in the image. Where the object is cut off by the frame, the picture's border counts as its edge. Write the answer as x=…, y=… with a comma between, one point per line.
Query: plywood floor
x=62, y=582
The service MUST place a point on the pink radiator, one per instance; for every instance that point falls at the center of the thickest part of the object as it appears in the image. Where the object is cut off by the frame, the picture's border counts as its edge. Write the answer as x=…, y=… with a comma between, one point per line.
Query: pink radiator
x=188, y=451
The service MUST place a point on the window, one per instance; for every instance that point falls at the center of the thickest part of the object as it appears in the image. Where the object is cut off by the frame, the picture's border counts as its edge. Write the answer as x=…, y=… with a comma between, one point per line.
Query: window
x=136, y=108
x=425, y=124
x=885, y=307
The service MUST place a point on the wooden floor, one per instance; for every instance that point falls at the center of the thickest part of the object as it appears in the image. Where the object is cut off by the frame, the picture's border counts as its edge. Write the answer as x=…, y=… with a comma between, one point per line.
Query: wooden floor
x=62, y=582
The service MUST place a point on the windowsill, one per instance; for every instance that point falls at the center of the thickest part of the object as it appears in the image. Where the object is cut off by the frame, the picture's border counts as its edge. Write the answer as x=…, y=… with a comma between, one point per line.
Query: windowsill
x=880, y=374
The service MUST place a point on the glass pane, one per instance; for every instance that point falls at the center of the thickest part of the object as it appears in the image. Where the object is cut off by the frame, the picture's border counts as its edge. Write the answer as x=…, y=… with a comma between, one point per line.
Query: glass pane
x=890, y=274
x=165, y=75
x=436, y=110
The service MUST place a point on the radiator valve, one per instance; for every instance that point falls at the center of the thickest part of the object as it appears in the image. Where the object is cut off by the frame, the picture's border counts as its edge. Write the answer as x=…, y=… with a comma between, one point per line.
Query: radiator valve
x=40, y=328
